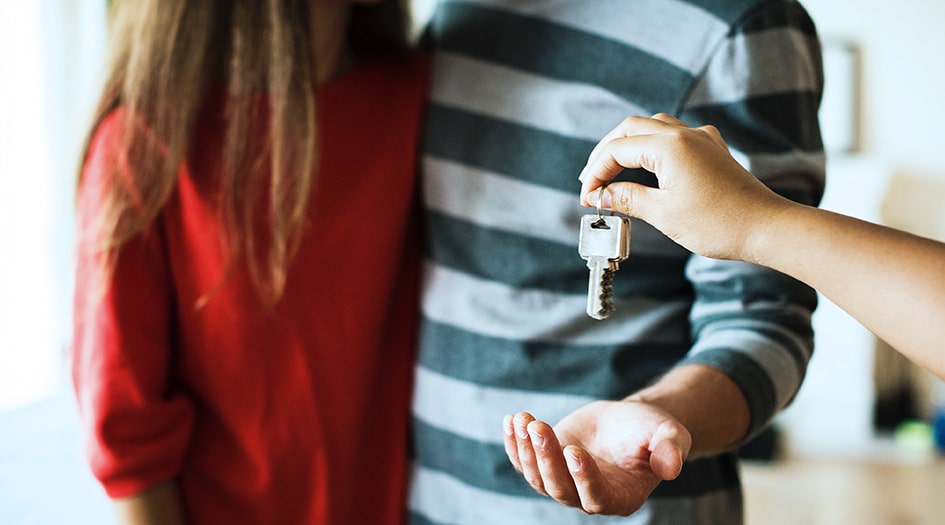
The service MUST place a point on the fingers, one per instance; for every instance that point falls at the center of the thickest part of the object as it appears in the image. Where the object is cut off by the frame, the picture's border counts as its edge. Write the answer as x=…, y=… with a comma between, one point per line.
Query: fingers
x=588, y=480
x=636, y=151
x=604, y=167
x=569, y=476
x=511, y=445
x=534, y=450
x=573, y=477
x=519, y=449
x=713, y=133
x=628, y=198
x=552, y=465
x=601, y=167
x=666, y=460
x=669, y=119
x=638, y=142
x=634, y=125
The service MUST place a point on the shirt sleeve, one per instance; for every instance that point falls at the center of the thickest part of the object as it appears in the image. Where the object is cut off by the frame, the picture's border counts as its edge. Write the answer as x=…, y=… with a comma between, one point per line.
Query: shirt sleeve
x=762, y=88
x=136, y=424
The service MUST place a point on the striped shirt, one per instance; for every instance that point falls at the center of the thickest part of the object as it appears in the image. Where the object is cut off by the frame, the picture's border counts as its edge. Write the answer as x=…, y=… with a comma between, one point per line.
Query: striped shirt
x=522, y=91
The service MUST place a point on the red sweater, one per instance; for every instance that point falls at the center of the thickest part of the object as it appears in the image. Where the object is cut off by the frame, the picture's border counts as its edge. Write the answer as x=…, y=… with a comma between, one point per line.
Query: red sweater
x=297, y=416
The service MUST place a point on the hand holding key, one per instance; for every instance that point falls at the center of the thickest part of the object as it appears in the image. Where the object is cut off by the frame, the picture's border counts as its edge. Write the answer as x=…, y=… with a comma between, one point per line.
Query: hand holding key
x=604, y=243
x=705, y=201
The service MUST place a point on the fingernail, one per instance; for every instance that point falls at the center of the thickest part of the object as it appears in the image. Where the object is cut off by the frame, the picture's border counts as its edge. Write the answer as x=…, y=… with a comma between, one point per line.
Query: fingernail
x=537, y=439
x=520, y=429
x=605, y=200
x=507, y=425
x=574, y=463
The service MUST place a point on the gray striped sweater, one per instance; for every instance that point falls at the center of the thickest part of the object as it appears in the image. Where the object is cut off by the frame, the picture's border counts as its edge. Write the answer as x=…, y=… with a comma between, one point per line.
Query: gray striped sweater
x=522, y=91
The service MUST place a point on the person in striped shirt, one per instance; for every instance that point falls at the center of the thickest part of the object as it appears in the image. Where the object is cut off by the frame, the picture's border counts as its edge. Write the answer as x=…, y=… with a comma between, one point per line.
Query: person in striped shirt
x=890, y=280
x=710, y=350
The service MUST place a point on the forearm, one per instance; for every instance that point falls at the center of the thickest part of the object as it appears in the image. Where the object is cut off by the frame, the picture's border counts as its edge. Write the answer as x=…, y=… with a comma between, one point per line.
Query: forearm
x=890, y=281
x=706, y=401
x=160, y=505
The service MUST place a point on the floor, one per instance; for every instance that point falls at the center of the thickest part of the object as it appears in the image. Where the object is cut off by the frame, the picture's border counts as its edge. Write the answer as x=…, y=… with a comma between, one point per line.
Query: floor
x=44, y=480
x=831, y=491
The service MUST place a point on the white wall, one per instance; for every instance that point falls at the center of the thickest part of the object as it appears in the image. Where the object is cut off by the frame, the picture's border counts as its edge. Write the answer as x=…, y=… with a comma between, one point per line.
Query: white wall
x=896, y=176
x=27, y=314
x=902, y=104
x=50, y=58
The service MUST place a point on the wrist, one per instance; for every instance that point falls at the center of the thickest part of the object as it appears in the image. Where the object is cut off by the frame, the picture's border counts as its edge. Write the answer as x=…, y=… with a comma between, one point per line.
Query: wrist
x=705, y=401
x=767, y=229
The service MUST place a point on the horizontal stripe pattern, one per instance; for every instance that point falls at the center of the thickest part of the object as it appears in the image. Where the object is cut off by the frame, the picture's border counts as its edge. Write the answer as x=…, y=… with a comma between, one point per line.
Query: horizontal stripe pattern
x=534, y=156
x=772, y=14
x=436, y=394
x=506, y=204
x=520, y=261
x=756, y=52
x=763, y=124
x=486, y=466
x=570, y=108
x=768, y=325
x=585, y=16
x=762, y=291
x=503, y=203
x=496, y=310
x=797, y=175
x=600, y=371
x=522, y=42
x=523, y=91
x=437, y=497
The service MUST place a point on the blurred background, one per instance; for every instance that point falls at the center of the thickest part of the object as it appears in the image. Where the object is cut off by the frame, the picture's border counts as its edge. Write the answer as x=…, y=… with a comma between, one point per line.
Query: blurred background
x=856, y=446
x=50, y=59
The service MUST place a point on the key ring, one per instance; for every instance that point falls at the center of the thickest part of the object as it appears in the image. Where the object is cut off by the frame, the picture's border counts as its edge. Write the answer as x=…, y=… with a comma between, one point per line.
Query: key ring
x=600, y=197
x=600, y=223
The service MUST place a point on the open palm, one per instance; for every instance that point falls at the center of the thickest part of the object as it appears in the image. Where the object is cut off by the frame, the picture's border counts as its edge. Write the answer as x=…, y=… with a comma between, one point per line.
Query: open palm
x=605, y=458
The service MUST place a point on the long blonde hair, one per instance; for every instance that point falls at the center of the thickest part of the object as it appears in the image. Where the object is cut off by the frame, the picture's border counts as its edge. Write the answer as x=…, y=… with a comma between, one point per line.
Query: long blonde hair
x=165, y=57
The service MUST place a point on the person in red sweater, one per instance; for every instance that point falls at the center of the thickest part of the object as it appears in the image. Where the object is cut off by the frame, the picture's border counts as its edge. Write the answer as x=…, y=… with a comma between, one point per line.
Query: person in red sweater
x=244, y=321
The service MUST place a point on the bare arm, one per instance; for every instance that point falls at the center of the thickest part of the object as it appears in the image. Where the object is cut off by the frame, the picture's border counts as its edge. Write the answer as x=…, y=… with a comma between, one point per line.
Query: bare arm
x=160, y=505
x=891, y=281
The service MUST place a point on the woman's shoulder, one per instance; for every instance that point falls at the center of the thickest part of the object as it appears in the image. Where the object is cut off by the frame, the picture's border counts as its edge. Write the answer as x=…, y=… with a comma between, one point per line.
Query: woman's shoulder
x=399, y=73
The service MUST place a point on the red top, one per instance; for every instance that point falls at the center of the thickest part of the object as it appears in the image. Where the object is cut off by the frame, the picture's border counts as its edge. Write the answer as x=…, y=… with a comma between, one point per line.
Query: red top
x=298, y=416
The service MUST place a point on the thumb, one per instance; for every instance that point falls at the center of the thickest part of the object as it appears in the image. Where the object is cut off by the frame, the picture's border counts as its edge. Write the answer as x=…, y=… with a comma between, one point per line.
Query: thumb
x=669, y=449
x=629, y=198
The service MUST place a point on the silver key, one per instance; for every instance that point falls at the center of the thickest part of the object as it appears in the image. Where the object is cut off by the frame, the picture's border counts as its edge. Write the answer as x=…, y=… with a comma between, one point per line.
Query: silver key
x=604, y=242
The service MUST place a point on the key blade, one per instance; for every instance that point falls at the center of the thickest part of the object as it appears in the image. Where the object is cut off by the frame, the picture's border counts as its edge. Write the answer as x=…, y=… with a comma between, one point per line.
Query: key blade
x=600, y=302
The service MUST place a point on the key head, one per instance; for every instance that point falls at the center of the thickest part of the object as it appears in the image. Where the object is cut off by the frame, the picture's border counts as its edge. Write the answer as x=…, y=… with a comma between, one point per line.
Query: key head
x=606, y=236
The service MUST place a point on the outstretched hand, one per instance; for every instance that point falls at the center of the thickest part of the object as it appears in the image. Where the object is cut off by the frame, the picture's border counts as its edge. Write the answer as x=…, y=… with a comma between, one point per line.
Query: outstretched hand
x=706, y=201
x=604, y=458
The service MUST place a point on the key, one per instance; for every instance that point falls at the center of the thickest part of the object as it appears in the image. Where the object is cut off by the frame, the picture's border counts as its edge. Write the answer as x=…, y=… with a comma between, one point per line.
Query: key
x=604, y=242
